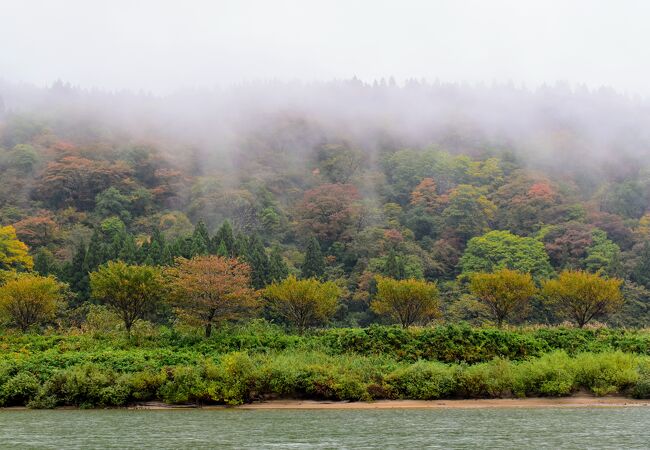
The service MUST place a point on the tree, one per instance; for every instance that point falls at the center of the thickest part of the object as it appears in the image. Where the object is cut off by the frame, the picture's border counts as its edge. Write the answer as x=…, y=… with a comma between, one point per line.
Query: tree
x=328, y=212
x=200, y=239
x=505, y=292
x=338, y=163
x=567, y=243
x=258, y=261
x=76, y=181
x=278, y=269
x=13, y=253
x=44, y=262
x=37, y=231
x=314, y=265
x=225, y=237
x=502, y=249
x=29, y=299
x=131, y=291
x=641, y=270
x=111, y=202
x=303, y=303
x=468, y=212
x=602, y=253
x=582, y=296
x=206, y=290
x=394, y=266
x=406, y=301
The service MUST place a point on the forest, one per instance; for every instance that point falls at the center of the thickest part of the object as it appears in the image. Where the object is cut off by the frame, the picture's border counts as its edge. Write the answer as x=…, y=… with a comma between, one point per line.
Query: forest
x=280, y=225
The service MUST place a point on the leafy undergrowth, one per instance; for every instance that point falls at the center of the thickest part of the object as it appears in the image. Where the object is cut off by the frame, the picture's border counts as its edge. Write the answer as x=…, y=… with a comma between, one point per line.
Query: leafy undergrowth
x=245, y=363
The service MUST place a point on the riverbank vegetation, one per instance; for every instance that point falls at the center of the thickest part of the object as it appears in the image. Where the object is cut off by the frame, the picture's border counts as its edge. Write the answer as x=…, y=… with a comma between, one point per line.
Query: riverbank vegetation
x=99, y=365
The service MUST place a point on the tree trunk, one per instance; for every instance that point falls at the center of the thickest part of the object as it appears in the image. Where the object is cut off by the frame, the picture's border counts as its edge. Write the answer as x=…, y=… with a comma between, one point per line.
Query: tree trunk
x=208, y=330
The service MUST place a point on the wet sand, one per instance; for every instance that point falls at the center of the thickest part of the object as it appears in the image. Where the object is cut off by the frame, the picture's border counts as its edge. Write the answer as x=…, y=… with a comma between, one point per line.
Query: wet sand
x=577, y=401
x=565, y=402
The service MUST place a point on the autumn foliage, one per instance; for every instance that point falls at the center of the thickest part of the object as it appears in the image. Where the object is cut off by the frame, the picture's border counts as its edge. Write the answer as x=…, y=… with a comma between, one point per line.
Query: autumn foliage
x=207, y=290
x=582, y=296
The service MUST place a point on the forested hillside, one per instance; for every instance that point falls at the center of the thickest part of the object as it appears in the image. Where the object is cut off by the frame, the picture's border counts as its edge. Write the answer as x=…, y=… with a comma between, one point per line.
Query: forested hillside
x=340, y=181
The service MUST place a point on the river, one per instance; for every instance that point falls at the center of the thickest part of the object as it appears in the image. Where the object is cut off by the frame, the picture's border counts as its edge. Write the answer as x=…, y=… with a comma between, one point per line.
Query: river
x=319, y=429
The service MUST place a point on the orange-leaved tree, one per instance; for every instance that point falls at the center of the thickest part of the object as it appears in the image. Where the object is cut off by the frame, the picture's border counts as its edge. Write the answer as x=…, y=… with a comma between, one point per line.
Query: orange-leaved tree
x=206, y=290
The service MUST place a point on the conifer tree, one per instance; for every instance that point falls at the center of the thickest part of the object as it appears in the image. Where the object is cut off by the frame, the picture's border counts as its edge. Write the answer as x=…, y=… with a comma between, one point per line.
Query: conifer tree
x=225, y=235
x=258, y=261
x=278, y=269
x=222, y=250
x=96, y=254
x=200, y=240
x=44, y=262
x=314, y=265
x=641, y=272
x=394, y=267
x=240, y=246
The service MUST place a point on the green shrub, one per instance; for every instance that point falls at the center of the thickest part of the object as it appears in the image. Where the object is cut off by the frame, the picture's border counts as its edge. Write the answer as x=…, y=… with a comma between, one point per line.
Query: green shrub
x=19, y=389
x=642, y=387
x=422, y=380
x=184, y=384
x=606, y=373
x=551, y=375
x=493, y=379
x=84, y=386
x=233, y=381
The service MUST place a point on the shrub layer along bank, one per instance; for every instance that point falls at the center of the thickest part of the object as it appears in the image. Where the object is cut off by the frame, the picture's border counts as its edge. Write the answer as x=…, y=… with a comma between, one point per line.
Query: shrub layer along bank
x=261, y=361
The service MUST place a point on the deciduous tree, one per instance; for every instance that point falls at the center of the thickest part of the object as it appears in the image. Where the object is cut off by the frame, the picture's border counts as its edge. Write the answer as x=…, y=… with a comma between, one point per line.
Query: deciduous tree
x=502, y=249
x=207, y=290
x=406, y=301
x=303, y=303
x=131, y=291
x=29, y=299
x=505, y=292
x=582, y=296
x=13, y=253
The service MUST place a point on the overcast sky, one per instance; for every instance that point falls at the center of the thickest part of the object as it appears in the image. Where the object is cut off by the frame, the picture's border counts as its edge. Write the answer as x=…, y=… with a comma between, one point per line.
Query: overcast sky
x=161, y=46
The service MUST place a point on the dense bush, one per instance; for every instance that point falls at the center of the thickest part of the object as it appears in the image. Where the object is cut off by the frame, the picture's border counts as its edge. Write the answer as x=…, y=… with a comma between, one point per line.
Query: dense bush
x=244, y=363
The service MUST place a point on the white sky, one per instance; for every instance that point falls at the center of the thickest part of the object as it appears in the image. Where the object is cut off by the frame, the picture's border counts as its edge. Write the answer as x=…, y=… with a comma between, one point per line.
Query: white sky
x=164, y=45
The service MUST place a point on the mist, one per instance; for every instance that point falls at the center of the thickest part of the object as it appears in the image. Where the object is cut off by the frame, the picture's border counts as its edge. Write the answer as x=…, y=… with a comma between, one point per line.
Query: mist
x=164, y=46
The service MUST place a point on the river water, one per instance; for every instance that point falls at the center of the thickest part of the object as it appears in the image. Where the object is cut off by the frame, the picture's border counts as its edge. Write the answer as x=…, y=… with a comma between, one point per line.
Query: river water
x=305, y=429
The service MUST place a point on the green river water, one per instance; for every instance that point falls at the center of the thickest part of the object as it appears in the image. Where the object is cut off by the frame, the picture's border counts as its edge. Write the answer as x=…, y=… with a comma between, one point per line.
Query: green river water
x=305, y=429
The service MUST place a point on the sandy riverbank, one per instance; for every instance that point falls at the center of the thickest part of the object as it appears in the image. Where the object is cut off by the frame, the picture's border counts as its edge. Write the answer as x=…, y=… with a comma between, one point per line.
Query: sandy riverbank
x=580, y=401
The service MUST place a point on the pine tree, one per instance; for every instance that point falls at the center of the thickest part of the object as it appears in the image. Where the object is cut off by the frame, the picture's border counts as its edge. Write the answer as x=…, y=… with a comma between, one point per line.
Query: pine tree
x=641, y=272
x=314, y=265
x=157, y=247
x=258, y=261
x=394, y=266
x=240, y=246
x=222, y=250
x=44, y=262
x=129, y=251
x=224, y=235
x=200, y=240
x=278, y=269
x=76, y=274
x=96, y=253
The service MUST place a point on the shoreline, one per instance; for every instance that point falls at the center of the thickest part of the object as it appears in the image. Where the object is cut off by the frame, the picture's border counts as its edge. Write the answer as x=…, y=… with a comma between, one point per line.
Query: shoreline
x=578, y=401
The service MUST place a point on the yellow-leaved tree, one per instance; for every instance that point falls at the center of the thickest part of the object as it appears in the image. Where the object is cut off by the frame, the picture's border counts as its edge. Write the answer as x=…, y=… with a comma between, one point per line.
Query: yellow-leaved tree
x=582, y=296
x=406, y=301
x=505, y=292
x=303, y=303
x=28, y=299
x=14, y=254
